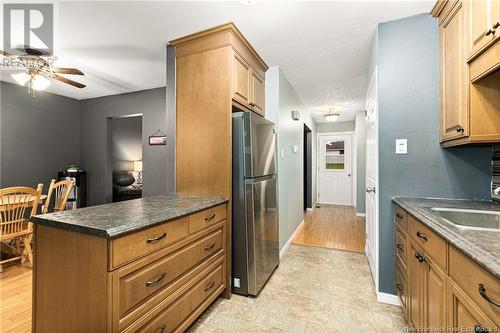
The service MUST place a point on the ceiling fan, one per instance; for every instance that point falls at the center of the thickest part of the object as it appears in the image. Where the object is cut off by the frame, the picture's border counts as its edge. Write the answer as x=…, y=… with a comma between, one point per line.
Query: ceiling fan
x=37, y=70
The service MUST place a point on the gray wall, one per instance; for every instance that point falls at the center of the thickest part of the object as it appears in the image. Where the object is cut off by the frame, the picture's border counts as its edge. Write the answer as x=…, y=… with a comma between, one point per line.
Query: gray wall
x=126, y=142
x=343, y=126
x=94, y=121
x=360, y=133
x=39, y=136
x=281, y=99
x=408, y=60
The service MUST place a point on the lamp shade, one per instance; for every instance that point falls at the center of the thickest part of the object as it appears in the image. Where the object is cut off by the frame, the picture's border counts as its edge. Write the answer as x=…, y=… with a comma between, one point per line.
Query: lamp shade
x=39, y=82
x=21, y=78
x=331, y=116
x=137, y=165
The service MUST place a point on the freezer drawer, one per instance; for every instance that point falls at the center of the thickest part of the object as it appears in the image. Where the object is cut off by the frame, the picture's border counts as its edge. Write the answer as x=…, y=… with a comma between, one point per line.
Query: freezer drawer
x=262, y=231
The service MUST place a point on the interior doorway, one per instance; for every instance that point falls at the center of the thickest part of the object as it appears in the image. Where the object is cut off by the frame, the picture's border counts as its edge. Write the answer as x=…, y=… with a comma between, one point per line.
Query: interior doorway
x=307, y=158
x=125, y=136
x=335, y=168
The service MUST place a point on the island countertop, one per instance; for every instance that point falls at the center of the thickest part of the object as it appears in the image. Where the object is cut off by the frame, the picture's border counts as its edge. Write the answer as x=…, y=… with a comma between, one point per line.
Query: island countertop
x=481, y=245
x=119, y=218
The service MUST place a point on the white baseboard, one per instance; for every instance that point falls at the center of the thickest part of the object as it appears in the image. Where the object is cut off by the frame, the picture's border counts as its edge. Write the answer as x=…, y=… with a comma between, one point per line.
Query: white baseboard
x=388, y=298
x=360, y=214
x=309, y=209
x=289, y=241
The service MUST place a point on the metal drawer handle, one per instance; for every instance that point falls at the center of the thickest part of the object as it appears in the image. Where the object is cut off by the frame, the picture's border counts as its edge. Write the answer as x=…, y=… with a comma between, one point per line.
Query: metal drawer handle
x=210, y=247
x=398, y=286
x=399, y=246
x=152, y=283
x=480, y=329
x=482, y=291
x=156, y=239
x=162, y=328
x=489, y=32
x=496, y=25
x=420, y=257
x=421, y=236
x=210, y=286
x=399, y=216
x=209, y=218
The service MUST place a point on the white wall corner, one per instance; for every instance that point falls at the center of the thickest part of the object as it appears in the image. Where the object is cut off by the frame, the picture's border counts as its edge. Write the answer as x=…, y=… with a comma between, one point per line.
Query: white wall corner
x=388, y=299
x=289, y=241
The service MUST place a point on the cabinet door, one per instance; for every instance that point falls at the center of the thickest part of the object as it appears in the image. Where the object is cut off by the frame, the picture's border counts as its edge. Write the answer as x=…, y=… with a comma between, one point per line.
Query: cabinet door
x=463, y=314
x=257, y=100
x=435, y=296
x=416, y=276
x=241, y=80
x=454, y=75
x=483, y=15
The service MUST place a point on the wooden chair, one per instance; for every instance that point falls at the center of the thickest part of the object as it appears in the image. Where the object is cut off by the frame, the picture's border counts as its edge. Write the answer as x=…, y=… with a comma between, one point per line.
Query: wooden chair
x=15, y=202
x=62, y=190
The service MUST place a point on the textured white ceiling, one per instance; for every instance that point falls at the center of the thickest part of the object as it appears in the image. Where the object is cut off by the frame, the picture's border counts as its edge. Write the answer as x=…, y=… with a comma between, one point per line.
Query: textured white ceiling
x=322, y=47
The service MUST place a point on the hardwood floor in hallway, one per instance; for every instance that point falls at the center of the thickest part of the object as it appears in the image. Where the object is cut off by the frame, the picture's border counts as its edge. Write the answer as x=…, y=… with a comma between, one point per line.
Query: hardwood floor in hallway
x=334, y=227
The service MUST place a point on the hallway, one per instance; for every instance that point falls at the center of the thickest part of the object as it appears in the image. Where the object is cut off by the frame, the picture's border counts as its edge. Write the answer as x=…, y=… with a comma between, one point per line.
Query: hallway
x=334, y=227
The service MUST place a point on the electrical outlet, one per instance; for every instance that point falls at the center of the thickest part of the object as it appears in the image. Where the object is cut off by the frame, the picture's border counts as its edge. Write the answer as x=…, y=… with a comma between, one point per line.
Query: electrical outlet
x=236, y=282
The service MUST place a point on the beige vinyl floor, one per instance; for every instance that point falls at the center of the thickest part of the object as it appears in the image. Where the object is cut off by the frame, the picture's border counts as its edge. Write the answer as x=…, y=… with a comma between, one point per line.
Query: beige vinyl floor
x=313, y=290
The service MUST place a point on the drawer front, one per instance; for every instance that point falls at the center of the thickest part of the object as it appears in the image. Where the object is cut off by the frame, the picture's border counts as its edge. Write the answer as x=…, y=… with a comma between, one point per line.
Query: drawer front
x=170, y=318
x=402, y=288
x=401, y=217
x=401, y=247
x=431, y=243
x=206, y=218
x=137, y=286
x=136, y=245
x=469, y=275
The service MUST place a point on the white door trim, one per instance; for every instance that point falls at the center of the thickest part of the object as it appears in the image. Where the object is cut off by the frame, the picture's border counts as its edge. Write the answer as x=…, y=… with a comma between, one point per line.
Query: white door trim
x=373, y=253
x=353, y=162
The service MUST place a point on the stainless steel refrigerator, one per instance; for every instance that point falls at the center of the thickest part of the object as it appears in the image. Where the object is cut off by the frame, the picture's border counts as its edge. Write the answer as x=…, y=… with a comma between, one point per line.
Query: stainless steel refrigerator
x=255, y=242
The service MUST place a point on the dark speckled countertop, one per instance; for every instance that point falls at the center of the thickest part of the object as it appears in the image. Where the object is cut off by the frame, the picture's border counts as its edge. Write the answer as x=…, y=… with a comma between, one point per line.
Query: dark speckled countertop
x=481, y=245
x=119, y=218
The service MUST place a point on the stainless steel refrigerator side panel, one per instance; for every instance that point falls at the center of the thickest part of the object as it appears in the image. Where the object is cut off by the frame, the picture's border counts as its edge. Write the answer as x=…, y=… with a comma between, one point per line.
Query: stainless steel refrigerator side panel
x=262, y=229
x=239, y=219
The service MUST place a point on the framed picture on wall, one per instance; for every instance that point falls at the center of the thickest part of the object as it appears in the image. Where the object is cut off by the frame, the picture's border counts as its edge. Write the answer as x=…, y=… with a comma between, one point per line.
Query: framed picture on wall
x=158, y=139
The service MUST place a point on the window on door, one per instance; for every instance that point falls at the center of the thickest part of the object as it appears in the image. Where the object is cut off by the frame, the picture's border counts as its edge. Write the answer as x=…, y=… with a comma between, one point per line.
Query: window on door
x=334, y=155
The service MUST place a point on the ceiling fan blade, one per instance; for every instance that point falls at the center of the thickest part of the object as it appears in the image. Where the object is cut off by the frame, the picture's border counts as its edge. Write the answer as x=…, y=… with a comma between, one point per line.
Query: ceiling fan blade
x=68, y=81
x=65, y=70
x=35, y=52
x=5, y=54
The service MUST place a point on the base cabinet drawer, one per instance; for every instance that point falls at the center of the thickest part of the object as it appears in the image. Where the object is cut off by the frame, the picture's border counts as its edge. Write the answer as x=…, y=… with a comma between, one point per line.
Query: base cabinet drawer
x=170, y=318
x=206, y=218
x=463, y=313
x=136, y=245
x=402, y=288
x=431, y=243
x=401, y=248
x=480, y=285
x=136, y=287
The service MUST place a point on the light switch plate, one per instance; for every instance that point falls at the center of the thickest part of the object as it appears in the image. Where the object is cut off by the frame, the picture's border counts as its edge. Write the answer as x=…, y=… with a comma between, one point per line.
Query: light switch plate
x=401, y=146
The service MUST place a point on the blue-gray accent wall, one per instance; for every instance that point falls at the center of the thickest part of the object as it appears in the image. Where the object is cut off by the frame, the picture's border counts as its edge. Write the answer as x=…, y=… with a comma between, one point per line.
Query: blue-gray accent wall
x=408, y=87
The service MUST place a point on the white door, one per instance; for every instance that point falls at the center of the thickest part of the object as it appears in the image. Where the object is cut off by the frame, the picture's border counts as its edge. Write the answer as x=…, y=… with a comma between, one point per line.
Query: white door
x=372, y=177
x=335, y=174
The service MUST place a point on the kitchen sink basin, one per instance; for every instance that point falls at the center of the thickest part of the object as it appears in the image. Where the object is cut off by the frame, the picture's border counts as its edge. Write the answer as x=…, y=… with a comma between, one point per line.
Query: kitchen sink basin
x=468, y=218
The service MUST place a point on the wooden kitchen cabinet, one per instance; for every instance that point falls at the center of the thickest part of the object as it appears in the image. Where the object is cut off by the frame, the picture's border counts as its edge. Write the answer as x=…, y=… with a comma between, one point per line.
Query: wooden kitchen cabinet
x=454, y=104
x=484, y=24
x=257, y=100
x=441, y=291
x=469, y=71
x=248, y=85
x=463, y=314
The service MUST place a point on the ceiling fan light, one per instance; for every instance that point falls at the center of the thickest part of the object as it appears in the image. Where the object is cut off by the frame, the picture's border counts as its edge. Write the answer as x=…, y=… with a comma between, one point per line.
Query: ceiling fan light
x=331, y=116
x=21, y=78
x=40, y=83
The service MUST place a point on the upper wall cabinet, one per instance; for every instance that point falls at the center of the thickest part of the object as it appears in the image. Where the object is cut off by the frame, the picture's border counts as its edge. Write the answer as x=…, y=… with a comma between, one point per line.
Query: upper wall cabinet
x=470, y=71
x=484, y=23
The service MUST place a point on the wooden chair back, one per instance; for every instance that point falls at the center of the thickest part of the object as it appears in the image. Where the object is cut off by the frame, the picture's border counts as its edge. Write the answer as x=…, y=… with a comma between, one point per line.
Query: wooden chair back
x=61, y=192
x=14, y=203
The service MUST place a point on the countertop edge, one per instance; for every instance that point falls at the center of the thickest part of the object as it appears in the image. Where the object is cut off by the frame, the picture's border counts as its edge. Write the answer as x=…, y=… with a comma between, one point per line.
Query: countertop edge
x=445, y=234
x=39, y=219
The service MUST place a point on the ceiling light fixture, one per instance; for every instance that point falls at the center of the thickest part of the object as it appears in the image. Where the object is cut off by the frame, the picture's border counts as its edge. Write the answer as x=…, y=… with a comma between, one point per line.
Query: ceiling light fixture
x=331, y=115
x=33, y=79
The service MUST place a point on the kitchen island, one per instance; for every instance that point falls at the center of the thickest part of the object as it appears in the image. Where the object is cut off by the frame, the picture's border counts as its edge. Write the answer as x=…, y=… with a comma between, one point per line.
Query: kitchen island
x=144, y=265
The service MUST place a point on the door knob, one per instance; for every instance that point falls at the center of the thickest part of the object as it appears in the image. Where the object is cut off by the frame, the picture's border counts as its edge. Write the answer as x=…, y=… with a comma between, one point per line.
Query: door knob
x=370, y=190
x=348, y=175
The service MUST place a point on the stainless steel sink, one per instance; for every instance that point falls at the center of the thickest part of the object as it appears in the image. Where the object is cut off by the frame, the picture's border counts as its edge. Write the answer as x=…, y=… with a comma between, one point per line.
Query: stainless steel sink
x=468, y=218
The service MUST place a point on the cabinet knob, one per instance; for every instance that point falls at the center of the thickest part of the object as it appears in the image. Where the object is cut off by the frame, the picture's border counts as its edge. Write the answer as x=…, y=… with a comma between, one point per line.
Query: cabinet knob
x=252, y=104
x=460, y=129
